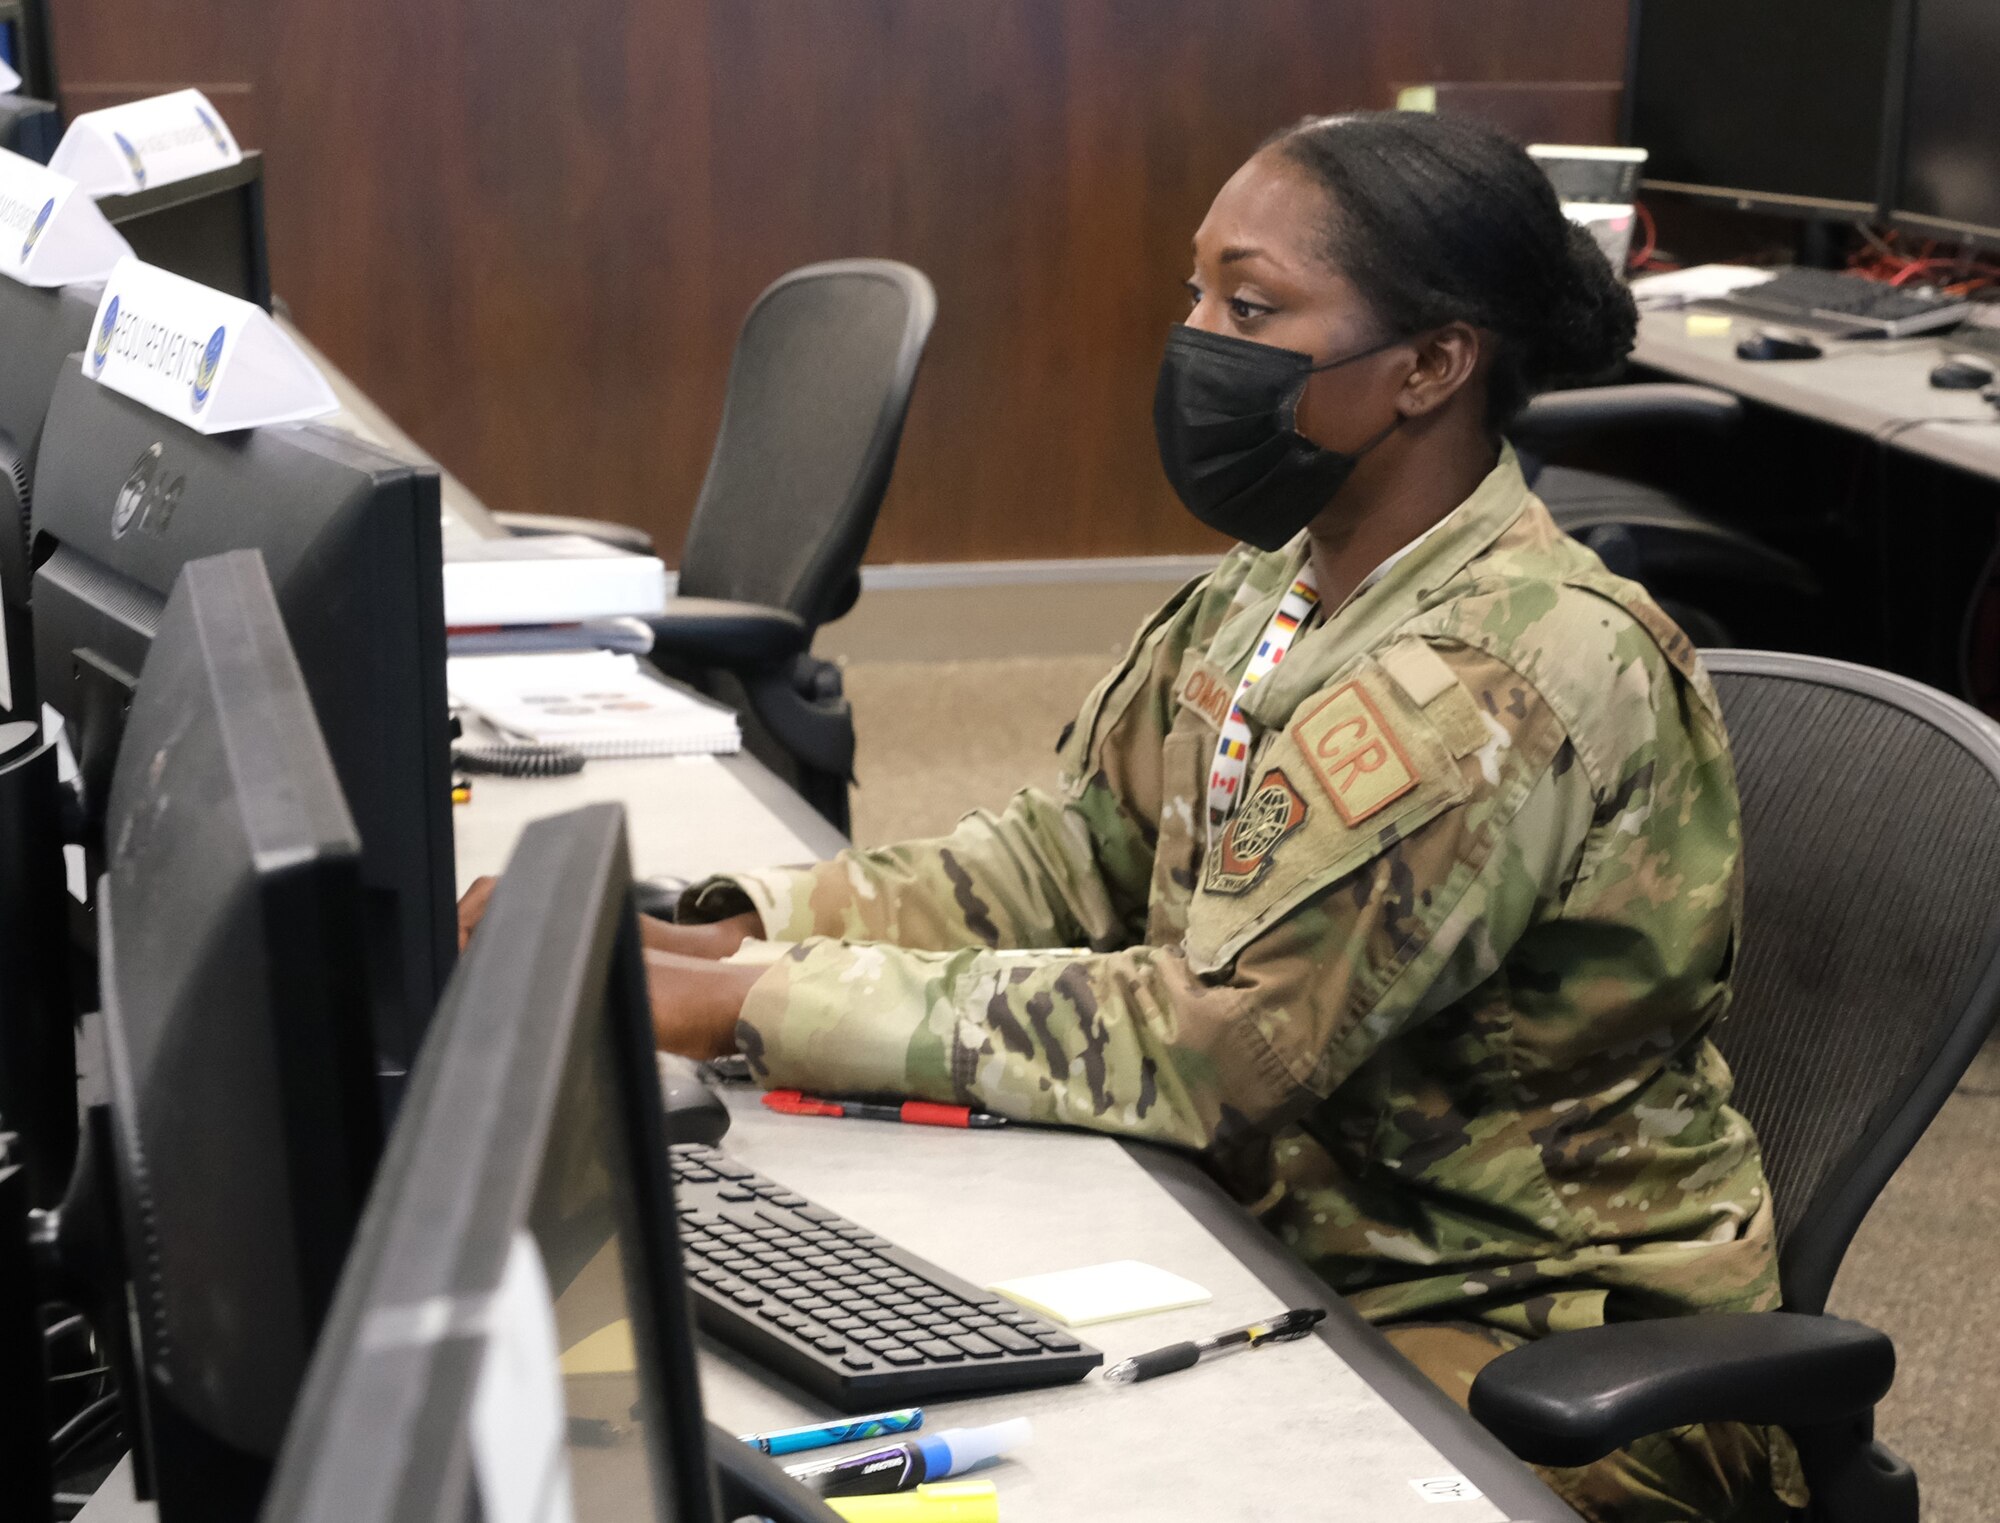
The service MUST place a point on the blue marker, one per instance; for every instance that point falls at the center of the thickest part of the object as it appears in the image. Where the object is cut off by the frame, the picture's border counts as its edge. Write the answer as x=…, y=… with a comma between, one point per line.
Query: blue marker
x=824, y=1435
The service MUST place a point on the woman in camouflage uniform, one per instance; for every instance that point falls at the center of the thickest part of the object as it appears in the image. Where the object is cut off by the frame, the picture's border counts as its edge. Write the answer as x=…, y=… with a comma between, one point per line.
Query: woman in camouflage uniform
x=1396, y=866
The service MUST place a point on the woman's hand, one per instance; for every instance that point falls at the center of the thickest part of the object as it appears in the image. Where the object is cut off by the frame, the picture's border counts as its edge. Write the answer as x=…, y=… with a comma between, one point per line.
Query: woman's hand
x=472, y=908
x=713, y=942
x=696, y=1002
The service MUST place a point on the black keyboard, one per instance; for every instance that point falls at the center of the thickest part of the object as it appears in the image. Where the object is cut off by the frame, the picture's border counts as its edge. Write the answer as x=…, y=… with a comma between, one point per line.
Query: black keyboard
x=1889, y=310
x=842, y=1313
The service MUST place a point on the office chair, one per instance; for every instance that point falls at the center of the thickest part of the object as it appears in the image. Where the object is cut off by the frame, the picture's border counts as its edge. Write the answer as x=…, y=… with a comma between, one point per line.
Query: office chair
x=1869, y=976
x=1694, y=565
x=818, y=389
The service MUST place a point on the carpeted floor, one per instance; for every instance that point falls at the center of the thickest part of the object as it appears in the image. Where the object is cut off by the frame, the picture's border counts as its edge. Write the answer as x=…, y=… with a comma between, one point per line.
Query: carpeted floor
x=937, y=738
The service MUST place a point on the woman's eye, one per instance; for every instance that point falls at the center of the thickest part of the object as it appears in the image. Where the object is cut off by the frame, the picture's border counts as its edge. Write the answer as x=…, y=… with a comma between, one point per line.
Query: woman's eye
x=1193, y=293
x=1245, y=311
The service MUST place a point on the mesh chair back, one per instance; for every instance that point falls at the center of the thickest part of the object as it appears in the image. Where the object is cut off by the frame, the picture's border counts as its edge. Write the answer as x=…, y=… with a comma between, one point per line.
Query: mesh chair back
x=818, y=389
x=1870, y=967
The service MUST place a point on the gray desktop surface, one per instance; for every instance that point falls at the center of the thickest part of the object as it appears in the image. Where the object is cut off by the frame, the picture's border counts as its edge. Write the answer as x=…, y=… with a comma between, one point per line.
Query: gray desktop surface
x=1339, y=1428
x=1877, y=387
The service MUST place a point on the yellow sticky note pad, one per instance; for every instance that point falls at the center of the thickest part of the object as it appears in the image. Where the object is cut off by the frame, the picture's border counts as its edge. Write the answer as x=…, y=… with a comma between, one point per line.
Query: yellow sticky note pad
x=1102, y=1293
x=608, y=1351
x=1709, y=325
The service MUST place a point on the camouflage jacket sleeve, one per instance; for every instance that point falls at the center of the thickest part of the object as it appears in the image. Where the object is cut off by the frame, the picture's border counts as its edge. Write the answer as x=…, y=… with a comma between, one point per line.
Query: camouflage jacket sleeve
x=1396, y=837
x=1067, y=870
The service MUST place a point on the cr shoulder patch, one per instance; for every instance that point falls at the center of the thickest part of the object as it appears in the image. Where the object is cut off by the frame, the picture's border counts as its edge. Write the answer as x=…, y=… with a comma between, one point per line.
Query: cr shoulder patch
x=1354, y=753
x=1272, y=811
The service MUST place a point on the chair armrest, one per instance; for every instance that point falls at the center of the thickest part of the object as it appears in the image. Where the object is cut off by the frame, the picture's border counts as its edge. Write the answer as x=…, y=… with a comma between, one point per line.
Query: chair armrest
x=1558, y=416
x=735, y=636
x=618, y=536
x=1571, y=1398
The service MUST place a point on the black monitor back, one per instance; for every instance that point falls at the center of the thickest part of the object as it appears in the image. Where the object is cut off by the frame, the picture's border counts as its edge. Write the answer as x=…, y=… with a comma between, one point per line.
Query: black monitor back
x=237, y=1044
x=535, y=1110
x=30, y=127
x=1786, y=106
x=40, y=330
x=25, y=25
x=350, y=535
x=207, y=228
x=1949, y=180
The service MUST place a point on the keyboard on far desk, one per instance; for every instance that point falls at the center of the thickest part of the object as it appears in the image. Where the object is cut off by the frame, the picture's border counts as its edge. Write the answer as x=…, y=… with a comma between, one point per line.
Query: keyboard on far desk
x=1890, y=311
x=842, y=1313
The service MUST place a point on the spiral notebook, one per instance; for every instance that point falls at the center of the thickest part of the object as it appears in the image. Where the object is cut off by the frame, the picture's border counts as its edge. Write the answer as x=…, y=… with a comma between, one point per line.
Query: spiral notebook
x=602, y=704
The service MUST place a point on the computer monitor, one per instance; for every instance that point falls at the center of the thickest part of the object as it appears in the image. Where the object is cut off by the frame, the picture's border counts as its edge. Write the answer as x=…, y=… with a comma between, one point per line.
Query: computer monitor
x=26, y=44
x=238, y=1055
x=208, y=227
x=29, y=127
x=39, y=330
x=513, y=1315
x=350, y=535
x=1780, y=106
x=1948, y=185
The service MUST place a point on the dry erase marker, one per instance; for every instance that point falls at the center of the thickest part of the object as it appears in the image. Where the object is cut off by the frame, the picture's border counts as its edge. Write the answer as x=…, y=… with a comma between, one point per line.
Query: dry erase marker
x=791, y=1102
x=899, y=1467
x=1184, y=1356
x=826, y=1435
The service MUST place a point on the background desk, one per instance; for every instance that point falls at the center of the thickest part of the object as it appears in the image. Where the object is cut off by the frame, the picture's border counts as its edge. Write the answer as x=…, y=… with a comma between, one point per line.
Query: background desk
x=1877, y=387
x=1885, y=487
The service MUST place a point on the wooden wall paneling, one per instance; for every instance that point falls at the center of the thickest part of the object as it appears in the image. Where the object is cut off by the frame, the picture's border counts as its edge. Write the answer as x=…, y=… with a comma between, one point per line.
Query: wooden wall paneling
x=531, y=230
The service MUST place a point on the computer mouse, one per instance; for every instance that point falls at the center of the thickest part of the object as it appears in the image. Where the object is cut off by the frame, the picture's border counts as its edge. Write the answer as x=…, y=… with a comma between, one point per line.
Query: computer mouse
x=693, y=1111
x=1961, y=374
x=1779, y=344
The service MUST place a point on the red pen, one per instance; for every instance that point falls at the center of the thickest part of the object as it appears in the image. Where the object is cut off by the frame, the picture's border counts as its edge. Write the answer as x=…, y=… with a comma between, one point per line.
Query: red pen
x=792, y=1102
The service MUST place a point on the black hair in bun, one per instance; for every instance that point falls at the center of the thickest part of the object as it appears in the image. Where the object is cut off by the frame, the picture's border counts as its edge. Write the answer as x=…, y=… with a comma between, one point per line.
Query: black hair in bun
x=1441, y=220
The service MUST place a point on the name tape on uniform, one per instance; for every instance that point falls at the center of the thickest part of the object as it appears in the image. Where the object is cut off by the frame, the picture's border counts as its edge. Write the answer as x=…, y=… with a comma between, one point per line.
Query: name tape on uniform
x=204, y=359
x=144, y=143
x=50, y=233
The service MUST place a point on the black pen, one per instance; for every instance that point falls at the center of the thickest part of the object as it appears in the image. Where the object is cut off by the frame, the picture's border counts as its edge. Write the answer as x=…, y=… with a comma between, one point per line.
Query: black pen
x=1182, y=1356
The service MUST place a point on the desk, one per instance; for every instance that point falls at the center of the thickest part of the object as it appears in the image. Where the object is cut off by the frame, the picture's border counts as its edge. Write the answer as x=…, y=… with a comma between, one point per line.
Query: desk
x=1333, y=1428
x=685, y=817
x=1876, y=387
x=1338, y=1427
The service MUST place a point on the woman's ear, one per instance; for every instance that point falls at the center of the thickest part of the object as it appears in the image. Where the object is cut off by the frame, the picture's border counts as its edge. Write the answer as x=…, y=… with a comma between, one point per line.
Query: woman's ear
x=1447, y=359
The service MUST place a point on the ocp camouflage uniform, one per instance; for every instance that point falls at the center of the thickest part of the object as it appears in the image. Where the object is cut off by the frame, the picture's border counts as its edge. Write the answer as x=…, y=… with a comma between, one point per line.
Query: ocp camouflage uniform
x=1438, y=999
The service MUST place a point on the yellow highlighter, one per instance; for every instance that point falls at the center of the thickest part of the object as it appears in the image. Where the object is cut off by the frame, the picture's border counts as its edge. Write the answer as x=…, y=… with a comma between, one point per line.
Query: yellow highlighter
x=942, y=1502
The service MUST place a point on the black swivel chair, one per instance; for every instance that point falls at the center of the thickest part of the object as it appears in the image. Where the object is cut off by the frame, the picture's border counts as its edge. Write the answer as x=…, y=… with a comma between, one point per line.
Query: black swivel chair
x=818, y=390
x=1869, y=976
x=1698, y=567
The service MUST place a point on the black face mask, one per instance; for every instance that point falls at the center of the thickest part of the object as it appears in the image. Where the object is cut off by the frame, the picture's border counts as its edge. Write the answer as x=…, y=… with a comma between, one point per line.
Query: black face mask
x=1224, y=415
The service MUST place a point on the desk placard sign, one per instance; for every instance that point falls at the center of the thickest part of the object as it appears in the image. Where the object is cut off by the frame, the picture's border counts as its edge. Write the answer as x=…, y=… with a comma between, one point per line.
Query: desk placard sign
x=50, y=233
x=204, y=359
x=9, y=80
x=144, y=143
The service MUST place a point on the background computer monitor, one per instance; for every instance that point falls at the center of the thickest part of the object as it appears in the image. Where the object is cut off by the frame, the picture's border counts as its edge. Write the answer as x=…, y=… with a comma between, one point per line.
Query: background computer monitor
x=26, y=44
x=238, y=1054
x=29, y=127
x=1778, y=106
x=208, y=227
x=1949, y=181
x=529, y=1145
x=40, y=331
x=350, y=534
